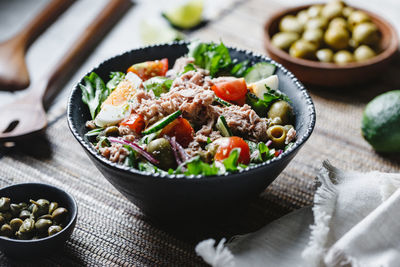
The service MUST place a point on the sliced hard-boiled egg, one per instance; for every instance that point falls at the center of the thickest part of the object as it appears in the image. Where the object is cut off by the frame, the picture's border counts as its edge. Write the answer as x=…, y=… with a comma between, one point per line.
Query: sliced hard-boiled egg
x=260, y=87
x=112, y=115
x=125, y=90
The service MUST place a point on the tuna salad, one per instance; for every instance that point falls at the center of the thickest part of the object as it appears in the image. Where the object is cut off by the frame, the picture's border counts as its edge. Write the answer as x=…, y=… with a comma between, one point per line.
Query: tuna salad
x=207, y=115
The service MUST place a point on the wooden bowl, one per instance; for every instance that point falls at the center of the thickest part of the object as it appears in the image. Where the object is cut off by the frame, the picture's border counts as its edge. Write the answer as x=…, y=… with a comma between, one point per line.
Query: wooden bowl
x=331, y=74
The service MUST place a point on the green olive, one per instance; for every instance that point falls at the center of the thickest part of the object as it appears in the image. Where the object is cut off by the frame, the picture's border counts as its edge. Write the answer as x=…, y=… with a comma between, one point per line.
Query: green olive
x=347, y=11
x=314, y=36
x=4, y=204
x=52, y=207
x=111, y=131
x=161, y=150
x=303, y=49
x=314, y=11
x=337, y=38
x=363, y=52
x=277, y=134
x=289, y=23
x=54, y=229
x=302, y=17
x=23, y=205
x=332, y=10
x=42, y=225
x=282, y=110
x=15, y=224
x=343, y=57
x=366, y=33
x=325, y=55
x=24, y=214
x=316, y=23
x=6, y=230
x=338, y=22
x=283, y=40
x=59, y=215
x=357, y=17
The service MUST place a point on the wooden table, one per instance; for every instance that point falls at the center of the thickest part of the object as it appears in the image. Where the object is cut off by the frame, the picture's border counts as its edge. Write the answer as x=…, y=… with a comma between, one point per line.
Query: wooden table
x=111, y=230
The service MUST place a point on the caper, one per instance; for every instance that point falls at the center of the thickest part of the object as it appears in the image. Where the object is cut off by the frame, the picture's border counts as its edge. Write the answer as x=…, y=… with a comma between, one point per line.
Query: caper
x=30, y=207
x=15, y=224
x=23, y=205
x=289, y=23
x=282, y=110
x=42, y=225
x=4, y=204
x=337, y=38
x=111, y=131
x=2, y=220
x=314, y=11
x=24, y=214
x=46, y=216
x=59, y=215
x=325, y=55
x=366, y=33
x=363, y=52
x=314, y=36
x=338, y=22
x=52, y=207
x=303, y=49
x=316, y=23
x=41, y=207
x=6, y=230
x=161, y=150
x=283, y=40
x=26, y=229
x=54, y=229
x=6, y=215
x=356, y=18
x=343, y=57
x=277, y=135
x=15, y=209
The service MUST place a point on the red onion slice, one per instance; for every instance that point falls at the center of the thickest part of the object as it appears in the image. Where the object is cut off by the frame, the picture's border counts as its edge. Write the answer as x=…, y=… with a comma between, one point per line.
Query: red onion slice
x=135, y=147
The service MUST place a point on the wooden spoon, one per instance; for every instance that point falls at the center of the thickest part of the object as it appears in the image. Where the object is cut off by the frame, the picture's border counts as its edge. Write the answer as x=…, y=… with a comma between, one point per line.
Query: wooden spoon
x=14, y=74
x=26, y=115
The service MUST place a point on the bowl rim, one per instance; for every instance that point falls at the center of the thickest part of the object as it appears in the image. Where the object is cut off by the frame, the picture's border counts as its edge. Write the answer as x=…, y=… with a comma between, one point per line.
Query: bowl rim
x=382, y=56
x=70, y=223
x=298, y=143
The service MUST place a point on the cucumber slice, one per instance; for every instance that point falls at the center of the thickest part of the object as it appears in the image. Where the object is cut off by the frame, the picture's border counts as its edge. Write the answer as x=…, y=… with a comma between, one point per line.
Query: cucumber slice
x=259, y=71
x=223, y=127
x=162, y=123
x=222, y=102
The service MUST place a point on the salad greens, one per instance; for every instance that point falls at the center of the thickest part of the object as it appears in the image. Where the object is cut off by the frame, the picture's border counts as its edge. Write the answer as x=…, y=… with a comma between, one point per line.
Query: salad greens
x=211, y=56
x=158, y=85
x=260, y=106
x=94, y=92
x=116, y=78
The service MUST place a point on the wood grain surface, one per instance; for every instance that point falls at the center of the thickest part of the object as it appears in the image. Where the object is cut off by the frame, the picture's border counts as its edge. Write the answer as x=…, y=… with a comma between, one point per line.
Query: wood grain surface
x=110, y=230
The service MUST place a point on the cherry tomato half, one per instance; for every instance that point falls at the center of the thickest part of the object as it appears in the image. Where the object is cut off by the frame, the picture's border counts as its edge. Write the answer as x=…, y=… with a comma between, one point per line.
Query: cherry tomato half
x=149, y=69
x=135, y=122
x=234, y=89
x=181, y=129
x=227, y=144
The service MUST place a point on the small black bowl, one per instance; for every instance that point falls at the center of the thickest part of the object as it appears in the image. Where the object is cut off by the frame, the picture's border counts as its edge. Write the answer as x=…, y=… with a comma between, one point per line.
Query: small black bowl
x=176, y=197
x=26, y=249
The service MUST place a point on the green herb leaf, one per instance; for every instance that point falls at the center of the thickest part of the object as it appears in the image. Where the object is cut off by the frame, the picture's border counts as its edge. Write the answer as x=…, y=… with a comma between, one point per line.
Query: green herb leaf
x=231, y=162
x=196, y=166
x=212, y=57
x=188, y=67
x=158, y=85
x=240, y=69
x=104, y=142
x=261, y=106
x=116, y=78
x=94, y=93
x=130, y=160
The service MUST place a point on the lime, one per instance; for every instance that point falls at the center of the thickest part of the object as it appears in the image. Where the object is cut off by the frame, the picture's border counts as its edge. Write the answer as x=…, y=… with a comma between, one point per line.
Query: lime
x=153, y=32
x=186, y=16
x=381, y=122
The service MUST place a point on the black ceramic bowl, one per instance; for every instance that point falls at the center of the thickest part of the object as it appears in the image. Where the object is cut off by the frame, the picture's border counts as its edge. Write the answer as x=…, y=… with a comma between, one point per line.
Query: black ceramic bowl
x=25, y=249
x=169, y=197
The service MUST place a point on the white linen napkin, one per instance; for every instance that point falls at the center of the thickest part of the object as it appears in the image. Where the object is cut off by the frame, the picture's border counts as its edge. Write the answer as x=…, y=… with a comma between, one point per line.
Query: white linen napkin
x=355, y=221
